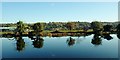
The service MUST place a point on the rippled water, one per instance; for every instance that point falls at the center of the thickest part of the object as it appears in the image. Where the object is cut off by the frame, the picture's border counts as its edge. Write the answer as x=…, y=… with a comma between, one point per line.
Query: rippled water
x=61, y=47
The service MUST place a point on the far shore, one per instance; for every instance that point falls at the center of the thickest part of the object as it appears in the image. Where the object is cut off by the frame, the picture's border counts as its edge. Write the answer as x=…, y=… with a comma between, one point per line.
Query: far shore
x=58, y=33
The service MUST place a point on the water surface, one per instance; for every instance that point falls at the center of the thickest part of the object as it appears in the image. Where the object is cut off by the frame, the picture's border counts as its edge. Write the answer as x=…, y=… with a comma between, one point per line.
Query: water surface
x=61, y=47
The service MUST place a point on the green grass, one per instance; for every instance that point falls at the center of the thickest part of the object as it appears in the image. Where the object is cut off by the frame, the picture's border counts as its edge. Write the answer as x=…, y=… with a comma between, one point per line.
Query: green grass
x=48, y=31
x=6, y=32
x=90, y=30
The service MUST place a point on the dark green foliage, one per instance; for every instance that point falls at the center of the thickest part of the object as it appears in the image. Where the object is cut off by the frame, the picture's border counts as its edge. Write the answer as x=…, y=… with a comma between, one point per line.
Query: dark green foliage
x=97, y=27
x=52, y=26
x=38, y=27
x=70, y=25
x=20, y=27
x=107, y=28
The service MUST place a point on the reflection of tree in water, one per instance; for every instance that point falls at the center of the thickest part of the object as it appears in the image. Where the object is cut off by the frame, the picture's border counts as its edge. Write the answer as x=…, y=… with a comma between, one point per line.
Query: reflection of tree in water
x=107, y=36
x=118, y=31
x=38, y=42
x=118, y=35
x=71, y=41
x=31, y=37
x=96, y=40
x=20, y=43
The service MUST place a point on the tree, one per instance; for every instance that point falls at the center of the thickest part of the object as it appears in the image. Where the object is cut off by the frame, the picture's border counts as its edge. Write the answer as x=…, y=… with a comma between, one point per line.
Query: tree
x=97, y=26
x=107, y=28
x=38, y=27
x=20, y=28
x=70, y=25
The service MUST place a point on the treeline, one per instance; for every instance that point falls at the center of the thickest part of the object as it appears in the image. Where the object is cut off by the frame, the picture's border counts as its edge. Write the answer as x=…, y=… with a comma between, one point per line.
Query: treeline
x=64, y=25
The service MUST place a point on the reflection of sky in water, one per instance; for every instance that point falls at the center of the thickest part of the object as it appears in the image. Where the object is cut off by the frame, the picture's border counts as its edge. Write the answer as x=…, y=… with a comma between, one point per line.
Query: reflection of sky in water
x=0, y=48
x=56, y=47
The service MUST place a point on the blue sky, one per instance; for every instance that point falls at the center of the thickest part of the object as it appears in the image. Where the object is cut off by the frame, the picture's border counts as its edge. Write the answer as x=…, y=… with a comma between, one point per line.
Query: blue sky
x=59, y=11
x=60, y=0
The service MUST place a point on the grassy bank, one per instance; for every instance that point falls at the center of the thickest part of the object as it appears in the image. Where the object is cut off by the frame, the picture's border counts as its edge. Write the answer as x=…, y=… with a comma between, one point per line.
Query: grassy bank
x=62, y=31
x=48, y=31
